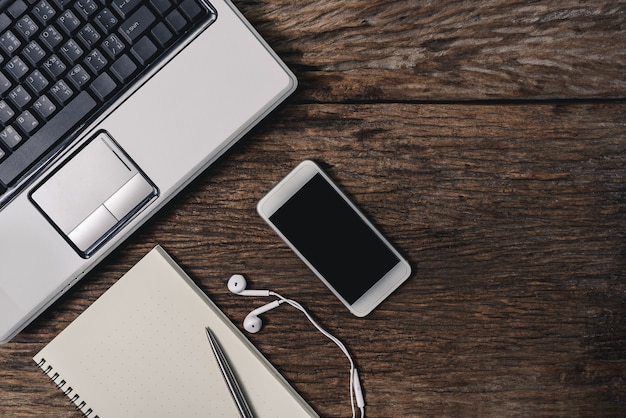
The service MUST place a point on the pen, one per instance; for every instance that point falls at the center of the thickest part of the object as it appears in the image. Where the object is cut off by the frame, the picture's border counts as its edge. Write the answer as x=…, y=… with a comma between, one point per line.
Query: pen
x=230, y=378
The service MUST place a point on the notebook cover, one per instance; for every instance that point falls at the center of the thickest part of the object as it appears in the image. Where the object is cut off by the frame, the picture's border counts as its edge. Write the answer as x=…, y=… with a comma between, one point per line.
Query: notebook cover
x=141, y=350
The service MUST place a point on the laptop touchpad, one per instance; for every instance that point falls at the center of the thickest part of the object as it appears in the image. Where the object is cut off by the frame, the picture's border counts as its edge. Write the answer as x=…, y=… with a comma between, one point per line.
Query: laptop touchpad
x=93, y=194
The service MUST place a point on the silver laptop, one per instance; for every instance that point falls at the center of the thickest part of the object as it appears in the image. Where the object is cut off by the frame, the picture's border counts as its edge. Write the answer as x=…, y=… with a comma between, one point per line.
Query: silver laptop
x=107, y=110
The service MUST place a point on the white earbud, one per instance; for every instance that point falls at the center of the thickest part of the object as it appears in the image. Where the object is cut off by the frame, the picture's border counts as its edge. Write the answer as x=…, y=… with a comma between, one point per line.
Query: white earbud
x=252, y=323
x=237, y=284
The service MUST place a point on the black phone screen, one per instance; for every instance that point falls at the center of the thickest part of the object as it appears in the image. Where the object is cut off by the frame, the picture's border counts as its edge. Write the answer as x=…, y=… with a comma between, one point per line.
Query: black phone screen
x=341, y=246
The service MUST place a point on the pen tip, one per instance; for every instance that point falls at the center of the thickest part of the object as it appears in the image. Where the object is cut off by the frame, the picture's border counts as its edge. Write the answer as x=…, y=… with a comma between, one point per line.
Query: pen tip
x=209, y=334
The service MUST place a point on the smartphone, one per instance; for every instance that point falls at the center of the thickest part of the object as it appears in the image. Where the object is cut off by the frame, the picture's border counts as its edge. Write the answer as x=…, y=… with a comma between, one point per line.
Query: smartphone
x=333, y=238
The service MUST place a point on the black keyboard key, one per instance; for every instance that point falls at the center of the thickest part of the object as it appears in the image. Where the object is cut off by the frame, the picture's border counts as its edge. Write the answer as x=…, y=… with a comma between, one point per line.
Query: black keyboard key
x=26, y=27
x=176, y=21
x=6, y=112
x=78, y=77
x=191, y=9
x=17, y=9
x=10, y=137
x=43, y=12
x=89, y=36
x=161, y=6
x=5, y=83
x=54, y=67
x=62, y=4
x=124, y=68
x=5, y=3
x=95, y=61
x=27, y=122
x=5, y=22
x=125, y=7
x=71, y=51
x=17, y=163
x=44, y=107
x=34, y=53
x=137, y=24
x=51, y=37
x=37, y=82
x=86, y=8
x=106, y=20
x=144, y=50
x=103, y=86
x=9, y=43
x=162, y=34
x=113, y=46
x=19, y=97
x=68, y=22
x=16, y=68
x=61, y=92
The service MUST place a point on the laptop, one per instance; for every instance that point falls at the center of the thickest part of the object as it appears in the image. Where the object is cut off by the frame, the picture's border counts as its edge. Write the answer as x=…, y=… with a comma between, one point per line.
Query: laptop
x=107, y=110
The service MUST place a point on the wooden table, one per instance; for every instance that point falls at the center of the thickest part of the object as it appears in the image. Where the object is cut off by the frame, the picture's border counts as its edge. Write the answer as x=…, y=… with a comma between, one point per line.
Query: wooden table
x=487, y=140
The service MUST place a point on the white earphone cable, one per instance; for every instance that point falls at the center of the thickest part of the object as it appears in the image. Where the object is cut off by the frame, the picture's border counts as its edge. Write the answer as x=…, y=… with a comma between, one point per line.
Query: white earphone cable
x=252, y=323
x=355, y=386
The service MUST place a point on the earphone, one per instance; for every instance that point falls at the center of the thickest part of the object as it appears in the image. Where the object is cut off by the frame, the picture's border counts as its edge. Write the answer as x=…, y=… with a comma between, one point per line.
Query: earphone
x=237, y=284
x=252, y=323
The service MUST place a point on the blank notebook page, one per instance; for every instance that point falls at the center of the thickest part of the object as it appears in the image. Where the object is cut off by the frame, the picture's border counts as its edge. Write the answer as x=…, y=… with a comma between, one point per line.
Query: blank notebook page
x=141, y=350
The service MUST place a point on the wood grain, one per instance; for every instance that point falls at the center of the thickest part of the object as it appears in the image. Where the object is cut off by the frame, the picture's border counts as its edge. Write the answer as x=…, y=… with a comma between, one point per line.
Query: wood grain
x=512, y=216
x=351, y=50
x=487, y=140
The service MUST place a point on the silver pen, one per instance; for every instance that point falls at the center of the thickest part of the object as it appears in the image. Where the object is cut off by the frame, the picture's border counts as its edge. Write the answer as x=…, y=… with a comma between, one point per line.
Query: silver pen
x=230, y=378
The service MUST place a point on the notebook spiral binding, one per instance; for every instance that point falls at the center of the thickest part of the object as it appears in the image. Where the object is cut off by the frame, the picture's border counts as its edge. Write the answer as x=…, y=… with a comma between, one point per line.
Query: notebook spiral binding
x=75, y=397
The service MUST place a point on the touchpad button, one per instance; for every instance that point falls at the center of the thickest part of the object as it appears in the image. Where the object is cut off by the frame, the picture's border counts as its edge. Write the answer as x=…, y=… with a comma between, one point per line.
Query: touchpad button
x=93, y=194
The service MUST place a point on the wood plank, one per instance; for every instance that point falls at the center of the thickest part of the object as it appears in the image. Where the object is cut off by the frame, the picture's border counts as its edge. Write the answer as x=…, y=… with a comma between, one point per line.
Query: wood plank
x=513, y=217
x=405, y=50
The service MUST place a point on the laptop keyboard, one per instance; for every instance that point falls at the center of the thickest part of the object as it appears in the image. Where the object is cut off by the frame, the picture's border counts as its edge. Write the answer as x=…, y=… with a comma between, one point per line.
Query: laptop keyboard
x=62, y=63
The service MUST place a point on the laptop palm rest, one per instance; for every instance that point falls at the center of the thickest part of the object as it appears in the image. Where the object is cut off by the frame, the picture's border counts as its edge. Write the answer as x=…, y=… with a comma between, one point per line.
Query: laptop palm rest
x=93, y=194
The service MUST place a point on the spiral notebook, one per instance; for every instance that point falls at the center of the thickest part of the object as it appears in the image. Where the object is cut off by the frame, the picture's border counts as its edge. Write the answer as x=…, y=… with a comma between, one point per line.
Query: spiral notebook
x=141, y=350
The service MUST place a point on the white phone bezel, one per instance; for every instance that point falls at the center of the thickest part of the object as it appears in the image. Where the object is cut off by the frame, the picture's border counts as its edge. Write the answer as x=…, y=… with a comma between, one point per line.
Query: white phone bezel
x=291, y=184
